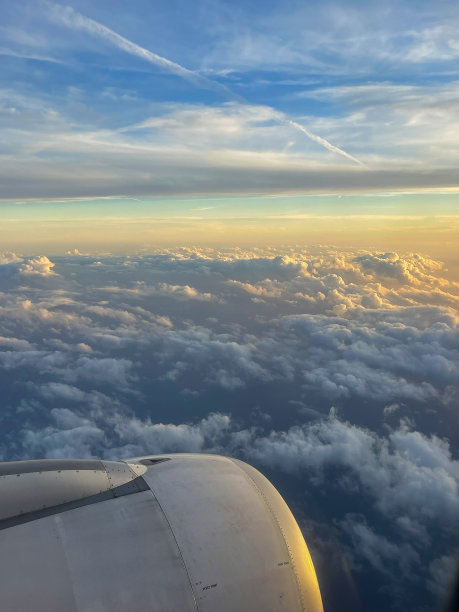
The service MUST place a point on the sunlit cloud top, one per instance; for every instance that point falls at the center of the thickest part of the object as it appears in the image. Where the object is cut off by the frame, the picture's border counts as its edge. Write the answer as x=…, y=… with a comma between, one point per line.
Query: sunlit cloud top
x=227, y=98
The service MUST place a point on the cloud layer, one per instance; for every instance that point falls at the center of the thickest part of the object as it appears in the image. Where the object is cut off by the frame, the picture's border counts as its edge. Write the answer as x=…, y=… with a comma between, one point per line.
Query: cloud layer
x=335, y=372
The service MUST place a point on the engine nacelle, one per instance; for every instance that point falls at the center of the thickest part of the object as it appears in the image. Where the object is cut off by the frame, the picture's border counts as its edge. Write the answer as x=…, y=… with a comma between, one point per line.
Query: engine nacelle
x=172, y=533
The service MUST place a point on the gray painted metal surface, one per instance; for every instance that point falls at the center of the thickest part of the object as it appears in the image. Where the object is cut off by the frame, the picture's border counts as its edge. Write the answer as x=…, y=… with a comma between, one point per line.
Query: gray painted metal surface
x=206, y=533
x=27, y=486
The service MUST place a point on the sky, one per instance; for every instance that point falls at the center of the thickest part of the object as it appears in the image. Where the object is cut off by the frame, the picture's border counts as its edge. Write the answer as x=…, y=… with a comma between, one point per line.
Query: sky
x=232, y=227
x=138, y=112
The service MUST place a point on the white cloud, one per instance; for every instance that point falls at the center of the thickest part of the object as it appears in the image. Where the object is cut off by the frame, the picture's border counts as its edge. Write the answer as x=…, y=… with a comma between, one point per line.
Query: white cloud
x=422, y=119
x=32, y=266
x=15, y=343
x=139, y=437
x=41, y=266
x=182, y=292
x=406, y=474
x=410, y=478
x=435, y=44
x=413, y=269
x=236, y=148
x=114, y=371
x=105, y=364
x=71, y=18
x=348, y=325
x=7, y=258
x=73, y=436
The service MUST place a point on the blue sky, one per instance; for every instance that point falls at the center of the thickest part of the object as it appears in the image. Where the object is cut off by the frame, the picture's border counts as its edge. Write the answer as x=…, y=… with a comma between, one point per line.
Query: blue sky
x=227, y=98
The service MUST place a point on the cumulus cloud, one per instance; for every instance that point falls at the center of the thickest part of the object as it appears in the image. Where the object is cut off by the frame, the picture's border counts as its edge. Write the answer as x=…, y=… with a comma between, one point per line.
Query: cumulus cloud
x=244, y=352
x=15, y=343
x=73, y=436
x=7, y=258
x=182, y=292
x=27, y=266
x=178, y=292
x=114, y=371
x=406, y=472
x=137, y=436
x=412, y=269
x=40, y=266
x=334, y=320
x=410, y=477
x=264, y=289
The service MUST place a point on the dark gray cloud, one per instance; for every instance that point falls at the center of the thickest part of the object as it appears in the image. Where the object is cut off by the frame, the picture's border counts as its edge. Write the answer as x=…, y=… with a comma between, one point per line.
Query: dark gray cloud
x=235, y=148
x=334, y=372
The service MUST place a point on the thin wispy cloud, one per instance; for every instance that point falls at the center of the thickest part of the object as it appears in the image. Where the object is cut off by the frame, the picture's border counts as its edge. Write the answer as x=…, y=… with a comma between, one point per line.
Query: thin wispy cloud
x=70, y=18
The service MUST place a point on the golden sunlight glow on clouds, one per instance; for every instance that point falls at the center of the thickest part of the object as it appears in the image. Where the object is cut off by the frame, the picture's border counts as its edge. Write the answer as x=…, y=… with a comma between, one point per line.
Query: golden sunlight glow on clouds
x=436, y=236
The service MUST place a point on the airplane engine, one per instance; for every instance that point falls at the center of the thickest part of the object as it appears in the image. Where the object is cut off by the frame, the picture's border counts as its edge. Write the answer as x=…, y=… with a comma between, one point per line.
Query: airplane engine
x=172, y=533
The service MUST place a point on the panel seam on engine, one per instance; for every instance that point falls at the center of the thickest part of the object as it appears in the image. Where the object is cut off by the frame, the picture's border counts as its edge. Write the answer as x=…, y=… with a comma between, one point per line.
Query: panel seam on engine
x=137, y=485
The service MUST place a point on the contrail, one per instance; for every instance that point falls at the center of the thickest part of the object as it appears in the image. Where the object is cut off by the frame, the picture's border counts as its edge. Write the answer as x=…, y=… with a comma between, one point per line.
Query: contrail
x=38, y=58
x=69, y=17
x=323, y=142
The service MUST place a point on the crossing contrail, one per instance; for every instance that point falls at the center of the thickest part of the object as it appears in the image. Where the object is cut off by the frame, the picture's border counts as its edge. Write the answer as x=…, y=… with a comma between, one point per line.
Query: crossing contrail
x=69, y=17
x=323, y=142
